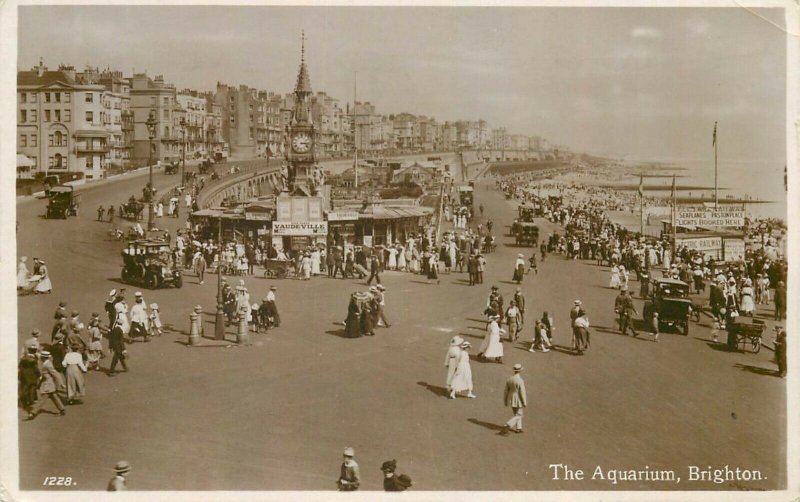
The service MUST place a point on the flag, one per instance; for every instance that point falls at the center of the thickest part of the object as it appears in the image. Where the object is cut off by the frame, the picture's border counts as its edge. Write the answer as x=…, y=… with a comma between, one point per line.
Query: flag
x=641, y=185
x=673, y=187
x=714, y=141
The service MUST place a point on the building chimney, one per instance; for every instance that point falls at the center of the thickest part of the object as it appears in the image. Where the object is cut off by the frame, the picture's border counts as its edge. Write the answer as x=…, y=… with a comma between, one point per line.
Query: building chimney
x=40, y=69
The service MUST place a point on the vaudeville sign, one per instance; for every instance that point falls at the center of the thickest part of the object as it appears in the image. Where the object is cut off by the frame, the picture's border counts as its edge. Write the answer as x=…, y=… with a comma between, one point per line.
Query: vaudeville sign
x=722, y=216
x=299, y=228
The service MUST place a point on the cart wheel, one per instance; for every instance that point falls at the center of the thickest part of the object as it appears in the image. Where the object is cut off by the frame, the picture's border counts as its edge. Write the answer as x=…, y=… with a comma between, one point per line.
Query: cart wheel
x=756, y=345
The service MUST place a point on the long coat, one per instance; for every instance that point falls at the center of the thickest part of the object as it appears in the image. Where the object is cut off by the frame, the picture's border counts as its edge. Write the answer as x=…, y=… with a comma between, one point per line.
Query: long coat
x=352, y=327
x=515, y=394
x=491, y=346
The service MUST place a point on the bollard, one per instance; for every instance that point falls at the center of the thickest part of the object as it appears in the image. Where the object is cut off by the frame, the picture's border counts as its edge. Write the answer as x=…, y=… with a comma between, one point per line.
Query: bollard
x=242, y=336
x=200, y=330
x=194, y=334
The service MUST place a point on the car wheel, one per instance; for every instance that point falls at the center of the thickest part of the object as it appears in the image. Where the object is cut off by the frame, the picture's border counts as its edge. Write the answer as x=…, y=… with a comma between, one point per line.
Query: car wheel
x=151, y=281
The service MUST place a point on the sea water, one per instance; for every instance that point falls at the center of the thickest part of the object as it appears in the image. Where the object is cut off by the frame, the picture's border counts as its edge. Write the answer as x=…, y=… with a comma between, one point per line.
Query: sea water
x=756, y=180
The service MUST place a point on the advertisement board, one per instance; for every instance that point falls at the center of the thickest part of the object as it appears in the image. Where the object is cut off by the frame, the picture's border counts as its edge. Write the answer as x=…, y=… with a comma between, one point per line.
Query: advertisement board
x=342, y=215
x=299, y=228
x=704, y=217
x=733, y=249
x=708, y=246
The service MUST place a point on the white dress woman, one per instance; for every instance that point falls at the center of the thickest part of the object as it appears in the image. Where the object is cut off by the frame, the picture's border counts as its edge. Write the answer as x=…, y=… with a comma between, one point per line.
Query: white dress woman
x=462, y=380
x=44, y=285
x=491, y=346
x=316, y=260
x=451, y=361
x=747, y=306
x=623, y=277
x=22, y=273
x=160, y=210
x=615, y=282
x=392, y=258
x=401, y=258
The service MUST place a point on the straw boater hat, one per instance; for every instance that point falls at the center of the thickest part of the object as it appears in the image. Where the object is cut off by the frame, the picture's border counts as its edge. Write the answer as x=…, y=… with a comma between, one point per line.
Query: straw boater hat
x=457, y=340
x=349, y=452
x=273, y=288
x=113, y=292
x=153, y=306
x=577, y=302
x=44, y=354
x=380, y=287
x=122, y=467
x=494, y=317
x=517, y=368
x=35, y=333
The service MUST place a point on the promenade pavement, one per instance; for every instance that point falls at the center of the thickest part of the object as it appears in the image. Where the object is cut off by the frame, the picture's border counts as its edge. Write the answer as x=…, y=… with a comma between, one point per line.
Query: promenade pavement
x=276, y=415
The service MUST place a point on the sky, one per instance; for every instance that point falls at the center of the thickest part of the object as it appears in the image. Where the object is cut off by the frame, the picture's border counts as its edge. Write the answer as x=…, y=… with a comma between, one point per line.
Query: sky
x=643, y=83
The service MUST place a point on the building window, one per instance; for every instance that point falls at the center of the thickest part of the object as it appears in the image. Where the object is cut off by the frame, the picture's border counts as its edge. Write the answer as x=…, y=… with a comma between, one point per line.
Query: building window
x=47, y=97
x=23, y=116
x=59, y=139
x=49, y=140
x=23, y=97
x=58, y=115
x=23, y=140
x=58, y=97
x=34, y=159
x=34, y=139
x=47, y=115
x=166, y=101
x=89, y=117
x=90, y=97
x=67, y=115
x=67, y=97
x=33, y=97
x=166, y=114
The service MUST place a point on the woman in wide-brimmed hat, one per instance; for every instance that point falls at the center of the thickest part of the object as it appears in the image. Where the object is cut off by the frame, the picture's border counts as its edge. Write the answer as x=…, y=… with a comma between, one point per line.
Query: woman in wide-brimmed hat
x=51, y=382
x=491, y=346
x=462, y=380
x=451, y=359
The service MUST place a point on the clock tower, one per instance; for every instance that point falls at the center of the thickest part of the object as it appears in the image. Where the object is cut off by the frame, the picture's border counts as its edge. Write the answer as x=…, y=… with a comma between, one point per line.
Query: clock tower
x=300, y=139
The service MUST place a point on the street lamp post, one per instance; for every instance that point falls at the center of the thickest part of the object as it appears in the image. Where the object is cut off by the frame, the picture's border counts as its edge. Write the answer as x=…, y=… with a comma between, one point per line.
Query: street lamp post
x=183, y=152
x=219, y=321
x=151, y=131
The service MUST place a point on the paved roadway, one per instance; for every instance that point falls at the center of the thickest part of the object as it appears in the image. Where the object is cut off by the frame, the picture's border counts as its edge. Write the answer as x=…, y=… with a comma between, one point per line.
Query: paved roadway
x=276, y=415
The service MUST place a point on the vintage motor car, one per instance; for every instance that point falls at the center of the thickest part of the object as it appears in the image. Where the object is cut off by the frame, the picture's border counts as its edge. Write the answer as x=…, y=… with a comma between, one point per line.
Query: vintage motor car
x=149, y=263
x=670, y=298
x=526, y=213
x=526, y=234
x=62, y=201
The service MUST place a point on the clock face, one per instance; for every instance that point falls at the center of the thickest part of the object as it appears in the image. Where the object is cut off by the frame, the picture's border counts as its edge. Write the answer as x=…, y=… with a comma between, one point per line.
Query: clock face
x=301, y=142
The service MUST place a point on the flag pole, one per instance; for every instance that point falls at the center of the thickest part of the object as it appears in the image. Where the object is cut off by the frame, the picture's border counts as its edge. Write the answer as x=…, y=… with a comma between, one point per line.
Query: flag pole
x=672, y=219
x=641, y=204
x=716, y=193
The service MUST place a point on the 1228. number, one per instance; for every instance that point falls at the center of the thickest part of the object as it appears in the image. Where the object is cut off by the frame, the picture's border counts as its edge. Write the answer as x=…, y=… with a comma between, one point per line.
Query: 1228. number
x=58, y=481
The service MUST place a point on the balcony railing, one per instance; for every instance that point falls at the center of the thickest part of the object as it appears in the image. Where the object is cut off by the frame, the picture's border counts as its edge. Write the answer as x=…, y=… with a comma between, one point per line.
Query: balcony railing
x=93, y=149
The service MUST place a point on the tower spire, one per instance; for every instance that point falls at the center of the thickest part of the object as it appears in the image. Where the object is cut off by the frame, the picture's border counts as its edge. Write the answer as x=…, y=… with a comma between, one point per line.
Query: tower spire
x=303, y=86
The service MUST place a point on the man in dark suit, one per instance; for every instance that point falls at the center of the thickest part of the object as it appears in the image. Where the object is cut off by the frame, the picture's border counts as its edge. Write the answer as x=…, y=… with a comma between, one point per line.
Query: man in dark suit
x=374, y=270
x=116, y=344
x=472, y=269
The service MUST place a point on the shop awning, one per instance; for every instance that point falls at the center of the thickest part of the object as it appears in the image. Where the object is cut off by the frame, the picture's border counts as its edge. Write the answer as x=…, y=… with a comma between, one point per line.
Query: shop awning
x=24, y=161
